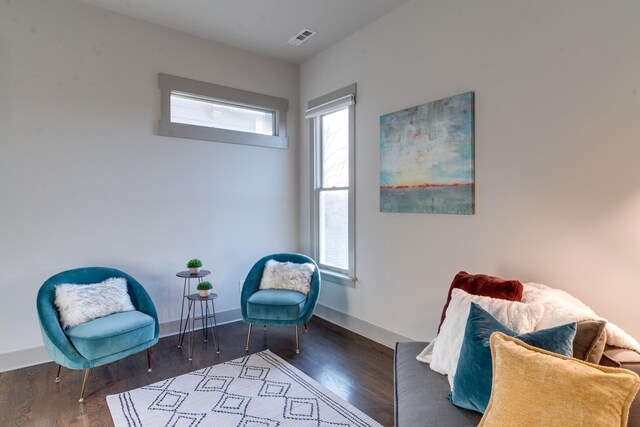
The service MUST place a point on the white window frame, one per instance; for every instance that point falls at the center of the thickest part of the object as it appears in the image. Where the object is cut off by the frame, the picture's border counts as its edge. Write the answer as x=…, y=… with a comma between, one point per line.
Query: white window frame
x=169, y=84
x=332, y=102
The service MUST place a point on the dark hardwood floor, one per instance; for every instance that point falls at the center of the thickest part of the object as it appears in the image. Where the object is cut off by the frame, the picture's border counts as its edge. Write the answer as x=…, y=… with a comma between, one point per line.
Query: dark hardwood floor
x=355, y=368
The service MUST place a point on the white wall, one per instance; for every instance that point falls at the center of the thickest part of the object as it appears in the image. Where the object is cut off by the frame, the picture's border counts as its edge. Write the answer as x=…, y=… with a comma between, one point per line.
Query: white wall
x=557, y=149
x=84, y=180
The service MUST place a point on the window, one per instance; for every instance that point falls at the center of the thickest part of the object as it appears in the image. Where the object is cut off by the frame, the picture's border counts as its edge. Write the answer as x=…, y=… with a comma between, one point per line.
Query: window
x=193, y=110
x=198, y=110
x=333, y=233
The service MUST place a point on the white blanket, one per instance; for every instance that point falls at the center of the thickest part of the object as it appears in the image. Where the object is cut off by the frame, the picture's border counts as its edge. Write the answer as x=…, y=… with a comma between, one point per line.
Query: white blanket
x=562, y=307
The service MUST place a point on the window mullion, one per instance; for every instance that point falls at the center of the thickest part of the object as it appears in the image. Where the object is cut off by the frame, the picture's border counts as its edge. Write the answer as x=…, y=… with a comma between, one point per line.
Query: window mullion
x=333, y=188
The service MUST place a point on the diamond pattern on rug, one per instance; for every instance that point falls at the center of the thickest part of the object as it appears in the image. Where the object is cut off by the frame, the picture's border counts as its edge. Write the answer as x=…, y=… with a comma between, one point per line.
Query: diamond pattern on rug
x=179, y=419
x=250, y=421
x=214, y=383
x=232, y=404
x=254, y=372
x=168, y=400
x=301, y=408
x=238, y=362
x=259, y=390
x=274, y=389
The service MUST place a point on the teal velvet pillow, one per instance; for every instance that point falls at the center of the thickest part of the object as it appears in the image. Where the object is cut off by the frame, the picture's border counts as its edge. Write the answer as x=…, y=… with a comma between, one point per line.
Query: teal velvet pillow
x=473, y=378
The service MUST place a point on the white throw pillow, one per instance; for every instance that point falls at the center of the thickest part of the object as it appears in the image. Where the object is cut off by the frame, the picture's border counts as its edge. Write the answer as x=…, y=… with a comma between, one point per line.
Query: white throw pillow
x=80, y=303
x=517, y=316
x=287, y=275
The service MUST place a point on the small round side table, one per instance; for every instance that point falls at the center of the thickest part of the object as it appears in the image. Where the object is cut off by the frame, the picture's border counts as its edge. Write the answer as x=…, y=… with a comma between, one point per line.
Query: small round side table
x=186, y=290
x=206, y=316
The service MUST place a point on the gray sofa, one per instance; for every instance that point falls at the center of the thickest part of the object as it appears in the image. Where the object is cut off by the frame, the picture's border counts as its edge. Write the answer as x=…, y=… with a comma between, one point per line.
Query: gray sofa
x=421, y=394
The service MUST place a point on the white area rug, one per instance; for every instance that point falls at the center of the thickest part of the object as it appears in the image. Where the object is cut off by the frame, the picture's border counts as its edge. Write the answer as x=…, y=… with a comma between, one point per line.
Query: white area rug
x=259, y=390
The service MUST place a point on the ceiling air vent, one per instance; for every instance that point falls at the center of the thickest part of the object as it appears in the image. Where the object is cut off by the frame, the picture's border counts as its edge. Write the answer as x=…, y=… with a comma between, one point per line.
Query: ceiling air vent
x=301, y=37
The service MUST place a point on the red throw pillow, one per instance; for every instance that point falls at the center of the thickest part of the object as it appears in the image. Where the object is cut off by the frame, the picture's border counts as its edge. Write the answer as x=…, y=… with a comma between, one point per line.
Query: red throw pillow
x=485, y=286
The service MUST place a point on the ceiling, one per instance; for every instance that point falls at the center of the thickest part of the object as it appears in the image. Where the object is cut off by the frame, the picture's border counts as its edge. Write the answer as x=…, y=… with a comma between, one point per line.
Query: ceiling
x=262, y=26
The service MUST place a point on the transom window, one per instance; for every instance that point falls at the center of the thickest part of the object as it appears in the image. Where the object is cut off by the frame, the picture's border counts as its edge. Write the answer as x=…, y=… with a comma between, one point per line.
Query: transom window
x=199, y=110
x=195, y=110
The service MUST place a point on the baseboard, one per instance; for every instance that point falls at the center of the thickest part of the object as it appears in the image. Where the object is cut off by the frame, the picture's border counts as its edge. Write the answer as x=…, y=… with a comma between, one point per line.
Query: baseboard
x=359, y=326
x=23, y=358
x=37, y=355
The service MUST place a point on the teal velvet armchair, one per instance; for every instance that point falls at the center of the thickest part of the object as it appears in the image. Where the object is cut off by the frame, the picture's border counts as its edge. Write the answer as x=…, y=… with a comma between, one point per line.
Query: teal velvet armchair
x=102, y=340
x=278, y=307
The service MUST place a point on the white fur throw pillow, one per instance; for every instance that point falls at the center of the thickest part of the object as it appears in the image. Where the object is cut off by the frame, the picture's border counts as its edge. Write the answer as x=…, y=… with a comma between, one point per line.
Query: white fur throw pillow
x=517, y=316
x=287, y=275
x=80, y=303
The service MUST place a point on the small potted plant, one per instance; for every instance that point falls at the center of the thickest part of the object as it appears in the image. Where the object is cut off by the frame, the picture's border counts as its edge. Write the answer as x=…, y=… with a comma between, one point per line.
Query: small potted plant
x=193, y=265
x=204, y=288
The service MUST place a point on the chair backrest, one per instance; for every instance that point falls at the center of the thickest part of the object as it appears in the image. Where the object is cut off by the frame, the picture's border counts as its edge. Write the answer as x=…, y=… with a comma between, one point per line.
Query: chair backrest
x=54, y=337
x=252, y=282
x=139, y=296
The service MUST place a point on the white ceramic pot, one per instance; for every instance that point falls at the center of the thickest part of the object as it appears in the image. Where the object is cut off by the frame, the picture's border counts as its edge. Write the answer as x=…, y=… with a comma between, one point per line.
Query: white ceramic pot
x=204, y=294
x=193, y=270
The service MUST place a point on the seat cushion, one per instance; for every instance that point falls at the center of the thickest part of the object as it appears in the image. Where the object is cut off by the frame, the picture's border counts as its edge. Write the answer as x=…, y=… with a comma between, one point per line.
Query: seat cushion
x=421, y=394
x=276, y=304
x=112, y=334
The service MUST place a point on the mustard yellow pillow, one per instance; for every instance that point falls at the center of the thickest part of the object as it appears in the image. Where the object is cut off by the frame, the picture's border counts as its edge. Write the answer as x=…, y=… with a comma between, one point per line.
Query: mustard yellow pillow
x=536, y=387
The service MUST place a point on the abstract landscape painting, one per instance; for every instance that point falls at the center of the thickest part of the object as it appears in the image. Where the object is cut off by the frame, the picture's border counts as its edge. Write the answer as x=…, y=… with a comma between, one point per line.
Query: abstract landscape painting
x=427, y=158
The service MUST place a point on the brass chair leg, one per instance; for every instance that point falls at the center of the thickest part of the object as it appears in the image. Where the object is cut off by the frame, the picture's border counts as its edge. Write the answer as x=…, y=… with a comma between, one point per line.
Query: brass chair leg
x=297, y=347
x=248, y=337
x=84, y=385
x=149, y=359
x=58, y=374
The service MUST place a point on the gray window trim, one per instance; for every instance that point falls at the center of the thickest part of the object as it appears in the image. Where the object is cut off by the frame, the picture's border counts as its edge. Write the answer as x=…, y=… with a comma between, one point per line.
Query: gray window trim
x=316, y=108
x=168, y=84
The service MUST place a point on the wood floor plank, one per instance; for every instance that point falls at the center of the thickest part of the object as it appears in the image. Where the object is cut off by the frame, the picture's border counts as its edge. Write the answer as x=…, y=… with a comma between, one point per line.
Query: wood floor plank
x=355, y=368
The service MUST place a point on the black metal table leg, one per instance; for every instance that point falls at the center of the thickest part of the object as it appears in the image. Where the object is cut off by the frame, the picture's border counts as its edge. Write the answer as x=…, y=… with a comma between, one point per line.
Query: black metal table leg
x=184, y=294
x=214, y=327
x=193, y=322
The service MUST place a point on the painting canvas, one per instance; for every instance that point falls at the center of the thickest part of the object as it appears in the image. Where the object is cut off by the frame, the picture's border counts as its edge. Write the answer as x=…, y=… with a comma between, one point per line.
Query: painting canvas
x=427, y=158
